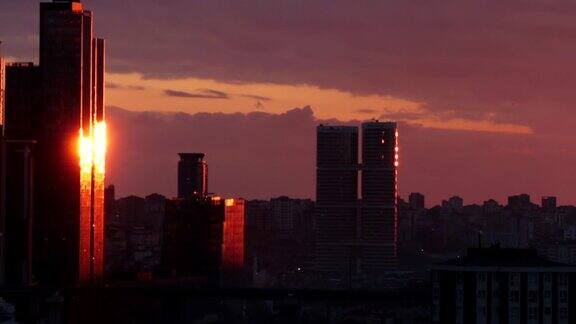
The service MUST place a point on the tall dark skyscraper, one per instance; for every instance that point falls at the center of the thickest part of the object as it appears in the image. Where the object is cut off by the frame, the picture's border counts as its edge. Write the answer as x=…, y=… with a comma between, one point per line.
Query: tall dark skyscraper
x=22, y=100
x=69, y=229
x=379, y=220
x=192, y=175
x=356, y=236
x=337, y=197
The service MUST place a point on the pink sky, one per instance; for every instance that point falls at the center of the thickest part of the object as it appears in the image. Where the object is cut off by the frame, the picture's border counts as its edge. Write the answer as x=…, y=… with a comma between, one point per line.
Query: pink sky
x=483, y=90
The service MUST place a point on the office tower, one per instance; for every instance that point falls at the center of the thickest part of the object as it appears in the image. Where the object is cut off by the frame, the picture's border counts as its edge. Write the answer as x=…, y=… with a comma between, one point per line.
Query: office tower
x=379, y=219
x=192, y=175
x=71, y=147
x=233, y=247
x=21, y=103
x=417, y=201
x=549, y=203
x=193, y=237
x=337, y=198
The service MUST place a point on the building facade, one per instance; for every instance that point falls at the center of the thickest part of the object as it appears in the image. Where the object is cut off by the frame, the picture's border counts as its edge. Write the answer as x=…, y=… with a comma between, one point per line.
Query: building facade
x=69, y=195
x=503, y=286
x=379, y=219
x=336, y=198
x=357, y=236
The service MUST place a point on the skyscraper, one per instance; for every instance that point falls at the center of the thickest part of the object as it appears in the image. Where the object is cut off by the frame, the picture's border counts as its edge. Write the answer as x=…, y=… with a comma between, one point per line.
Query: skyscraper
x=71, y=147
x=337, y=197
x=356, y=236
x=21, y=103
x=192, y=175
x=379, y=220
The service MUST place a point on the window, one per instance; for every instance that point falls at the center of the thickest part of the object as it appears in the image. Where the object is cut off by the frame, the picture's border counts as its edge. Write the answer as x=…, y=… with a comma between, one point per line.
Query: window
x=563, y=279
x=547, y=277
x=481, y=294
x=515, y=279
x=532, y=296
x=563, y=296
x=515, y=312
x=563, y=313
x=532, y=313
x=482, y=276
x=533, y=278
x=514, y=296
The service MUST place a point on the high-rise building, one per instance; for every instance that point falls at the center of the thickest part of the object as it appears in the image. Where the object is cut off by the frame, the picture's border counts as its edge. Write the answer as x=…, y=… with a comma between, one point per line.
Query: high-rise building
x=69, y=222
x=193, y=237
x=352, y=236
x=233, y=242
x=379, y=219
x=417, y=200
x=337, y=198
x=22, y=97
x=549, y=203
x=192, y=175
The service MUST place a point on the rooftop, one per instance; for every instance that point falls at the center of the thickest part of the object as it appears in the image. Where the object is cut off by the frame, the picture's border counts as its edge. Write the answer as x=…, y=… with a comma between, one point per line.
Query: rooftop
x=501, y=257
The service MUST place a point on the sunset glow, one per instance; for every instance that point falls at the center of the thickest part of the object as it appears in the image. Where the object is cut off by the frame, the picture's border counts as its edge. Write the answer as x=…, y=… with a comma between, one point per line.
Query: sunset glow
x=92, y=161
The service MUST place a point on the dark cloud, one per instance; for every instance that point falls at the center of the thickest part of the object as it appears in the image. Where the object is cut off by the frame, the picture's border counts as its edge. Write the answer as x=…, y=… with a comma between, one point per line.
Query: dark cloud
x=201, y=94
x=475, y=58
x=257, y=97
x=366, y=111
x=260, y=155
x=112, y=85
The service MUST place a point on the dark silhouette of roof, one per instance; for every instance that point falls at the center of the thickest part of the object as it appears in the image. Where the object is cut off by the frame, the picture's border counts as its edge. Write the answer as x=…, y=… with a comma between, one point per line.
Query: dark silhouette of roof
x=502, y=257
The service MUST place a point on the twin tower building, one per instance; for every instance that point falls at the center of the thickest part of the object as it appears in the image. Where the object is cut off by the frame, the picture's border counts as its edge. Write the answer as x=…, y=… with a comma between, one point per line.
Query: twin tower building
x=356, y=218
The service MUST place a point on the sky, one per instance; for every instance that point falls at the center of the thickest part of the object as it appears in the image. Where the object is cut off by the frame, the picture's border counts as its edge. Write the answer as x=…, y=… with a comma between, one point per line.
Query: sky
x=483, y=90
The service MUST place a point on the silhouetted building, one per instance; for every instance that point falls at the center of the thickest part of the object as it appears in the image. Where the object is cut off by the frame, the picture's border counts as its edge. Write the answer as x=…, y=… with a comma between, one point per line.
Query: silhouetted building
x=134, y=235
x=521, y=201
x=336, y=198
x=417, y=201
x=109, y=201
x=203, y=238
x=549, y=203
x=19, y=211
x=509, y=286
x=379, y=221
x=21, y=103
x=193, y=237
x=192, y=175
